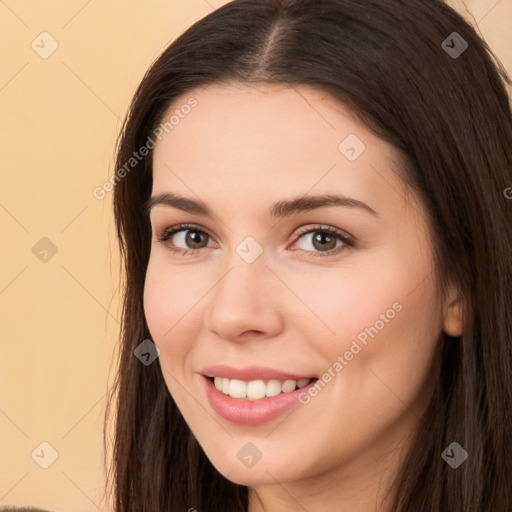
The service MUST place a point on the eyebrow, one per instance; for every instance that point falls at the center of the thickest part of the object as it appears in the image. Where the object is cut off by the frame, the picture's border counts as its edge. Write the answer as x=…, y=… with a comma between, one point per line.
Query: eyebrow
x=279, y=210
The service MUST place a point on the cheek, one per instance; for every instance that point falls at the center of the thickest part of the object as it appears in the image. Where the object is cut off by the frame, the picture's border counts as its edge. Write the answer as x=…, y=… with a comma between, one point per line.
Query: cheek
x=384, y=326
x=172, y=295
x=351, y=301
x=383, y=295
x=383, y=374
x=168, y=314
x=158, y=304
x=386, y=357
x=171, y=303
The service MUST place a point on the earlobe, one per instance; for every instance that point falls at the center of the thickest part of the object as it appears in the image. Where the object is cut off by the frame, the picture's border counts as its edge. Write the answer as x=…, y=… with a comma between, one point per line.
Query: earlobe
x=453, y=324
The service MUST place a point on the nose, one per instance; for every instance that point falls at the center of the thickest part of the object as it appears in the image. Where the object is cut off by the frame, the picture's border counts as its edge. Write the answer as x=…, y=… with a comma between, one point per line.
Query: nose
x=245, y=303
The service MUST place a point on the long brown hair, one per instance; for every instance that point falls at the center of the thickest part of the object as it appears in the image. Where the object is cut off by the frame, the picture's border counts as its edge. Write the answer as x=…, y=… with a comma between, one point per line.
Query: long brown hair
x=439, y=98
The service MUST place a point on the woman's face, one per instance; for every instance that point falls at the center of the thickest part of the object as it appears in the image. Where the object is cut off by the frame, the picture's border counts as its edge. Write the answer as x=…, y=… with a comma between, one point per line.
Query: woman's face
x=265, y=295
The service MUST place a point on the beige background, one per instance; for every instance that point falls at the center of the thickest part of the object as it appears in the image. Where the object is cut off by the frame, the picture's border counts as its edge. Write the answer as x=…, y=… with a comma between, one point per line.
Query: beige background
x=59, y=317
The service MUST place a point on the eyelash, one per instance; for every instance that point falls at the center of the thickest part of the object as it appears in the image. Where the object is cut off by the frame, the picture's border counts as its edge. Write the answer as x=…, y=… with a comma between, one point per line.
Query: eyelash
x=348, y=241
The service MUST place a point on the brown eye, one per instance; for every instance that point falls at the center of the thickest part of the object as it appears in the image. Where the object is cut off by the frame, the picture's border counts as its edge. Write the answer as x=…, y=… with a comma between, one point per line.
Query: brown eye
x=324, y=241
x=195, y=239
x=184, y=239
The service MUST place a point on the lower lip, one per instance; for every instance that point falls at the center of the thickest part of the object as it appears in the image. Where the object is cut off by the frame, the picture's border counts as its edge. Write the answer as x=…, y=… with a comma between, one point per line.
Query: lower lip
x=251, y=412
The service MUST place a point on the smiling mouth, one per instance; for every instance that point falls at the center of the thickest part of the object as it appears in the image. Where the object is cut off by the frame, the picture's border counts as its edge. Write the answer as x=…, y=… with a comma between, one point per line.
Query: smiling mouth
x=257, y=389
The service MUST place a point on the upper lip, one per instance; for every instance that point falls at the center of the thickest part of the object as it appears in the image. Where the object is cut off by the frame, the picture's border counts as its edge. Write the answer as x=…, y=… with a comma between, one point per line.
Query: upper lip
x=250, y=373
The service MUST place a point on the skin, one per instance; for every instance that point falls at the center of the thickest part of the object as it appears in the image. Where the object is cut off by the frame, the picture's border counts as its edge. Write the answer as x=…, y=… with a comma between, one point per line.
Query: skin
x=242, y=149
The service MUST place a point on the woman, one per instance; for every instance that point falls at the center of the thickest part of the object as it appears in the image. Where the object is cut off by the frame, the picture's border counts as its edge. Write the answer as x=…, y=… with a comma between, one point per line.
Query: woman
x=311, y=203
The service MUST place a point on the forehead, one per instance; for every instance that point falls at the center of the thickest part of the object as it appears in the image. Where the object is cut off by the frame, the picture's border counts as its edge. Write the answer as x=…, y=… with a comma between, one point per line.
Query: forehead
x=249, y=138
x=253, y=114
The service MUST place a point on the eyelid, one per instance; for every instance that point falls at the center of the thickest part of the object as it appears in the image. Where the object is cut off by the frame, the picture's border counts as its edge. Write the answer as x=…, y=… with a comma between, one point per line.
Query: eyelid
x=164, y=235
x=327, y=228
x=347, y=240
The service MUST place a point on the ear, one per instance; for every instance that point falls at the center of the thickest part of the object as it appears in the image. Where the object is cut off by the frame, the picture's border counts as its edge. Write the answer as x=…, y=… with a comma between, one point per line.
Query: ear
x=453, y=323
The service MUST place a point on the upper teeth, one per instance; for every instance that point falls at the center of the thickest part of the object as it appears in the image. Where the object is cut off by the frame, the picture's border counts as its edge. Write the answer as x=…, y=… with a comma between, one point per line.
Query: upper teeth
x=256, y=389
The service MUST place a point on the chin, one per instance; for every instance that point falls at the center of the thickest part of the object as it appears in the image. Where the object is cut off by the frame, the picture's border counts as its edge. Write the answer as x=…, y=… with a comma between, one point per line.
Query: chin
x=252, y=476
